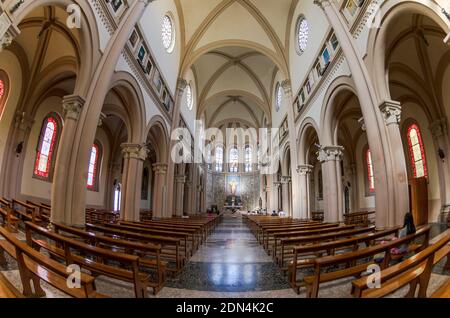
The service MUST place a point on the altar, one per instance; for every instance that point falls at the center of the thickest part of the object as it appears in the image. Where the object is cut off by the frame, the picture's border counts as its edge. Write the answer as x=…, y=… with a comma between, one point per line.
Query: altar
x=233, y=200
x=233, y=203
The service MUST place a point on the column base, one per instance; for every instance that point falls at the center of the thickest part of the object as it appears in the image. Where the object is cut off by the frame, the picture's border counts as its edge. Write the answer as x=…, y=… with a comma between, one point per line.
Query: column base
x=445, y=214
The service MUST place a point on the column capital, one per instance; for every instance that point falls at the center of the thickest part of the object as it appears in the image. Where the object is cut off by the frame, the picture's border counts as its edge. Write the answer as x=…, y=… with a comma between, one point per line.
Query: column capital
x=160, y=168
x=322, y=3
x=287, y=87
x=23, y=121
x=181, y=85
x=134, y=151
x=392, y=112
x=8, y=31
x=286, y=179
x=438, y=127
x=304, y=170
x=330, y=153
x=72, y=106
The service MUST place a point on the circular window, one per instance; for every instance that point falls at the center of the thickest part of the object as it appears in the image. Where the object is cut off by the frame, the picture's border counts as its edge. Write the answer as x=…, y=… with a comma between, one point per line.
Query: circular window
x=279, y=97
x=189, y=97
x=168, y=33
x=302, y=34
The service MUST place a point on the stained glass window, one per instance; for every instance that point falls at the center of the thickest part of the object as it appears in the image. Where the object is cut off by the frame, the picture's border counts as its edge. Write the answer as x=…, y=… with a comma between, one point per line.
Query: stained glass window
x=416, y=151
x=167, y=33
x=248, y=159
x=46, y=147
x=93, y=167
x=219, y=159
x=370, y=174
x=279, y=97
x=2, y=89
x=117, y=197
x=234, y=160
x=189, y=97
x=302, y=34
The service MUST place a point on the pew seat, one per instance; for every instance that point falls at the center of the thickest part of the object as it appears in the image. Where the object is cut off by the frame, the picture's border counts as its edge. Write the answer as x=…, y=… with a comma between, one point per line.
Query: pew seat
x=7, y=290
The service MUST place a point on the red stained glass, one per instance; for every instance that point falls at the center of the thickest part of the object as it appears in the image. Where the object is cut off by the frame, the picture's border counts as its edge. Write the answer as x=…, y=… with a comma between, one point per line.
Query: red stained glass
x=2, y=89
x=46, y=148
x=370, y=174
x=417, y=152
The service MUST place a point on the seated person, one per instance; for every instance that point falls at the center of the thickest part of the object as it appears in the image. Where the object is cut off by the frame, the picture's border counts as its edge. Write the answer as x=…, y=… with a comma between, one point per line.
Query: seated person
x=274, y=213
x=408, y=229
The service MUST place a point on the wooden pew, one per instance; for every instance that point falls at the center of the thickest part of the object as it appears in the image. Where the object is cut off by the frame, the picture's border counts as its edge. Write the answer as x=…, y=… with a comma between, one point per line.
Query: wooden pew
x=189, y=235
x=10, y=222
x=7, y=290
x=288, y=243
x=278, y=237
x=170, y=247
x=34, y=266
x=26, y=212
x=304, y=255
x=43, y=210
x=359, y=218
x=150, y=254
x=182, y=236
x=313, y=282
x=97, y=260
x=414, y=270
x=443, y=291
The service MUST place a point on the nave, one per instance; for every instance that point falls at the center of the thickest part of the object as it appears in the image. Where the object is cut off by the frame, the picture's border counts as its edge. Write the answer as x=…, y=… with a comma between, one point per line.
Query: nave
x=236, y=262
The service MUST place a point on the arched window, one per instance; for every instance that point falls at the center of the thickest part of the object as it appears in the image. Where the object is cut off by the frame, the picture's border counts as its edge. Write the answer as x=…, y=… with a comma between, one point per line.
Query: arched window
x=416, y=152
x=234, y=160
x=189, y=97
x=248, y=159
x=117, y=197
x=320, y=185
x=219, y=159
x=279, y=97
x=302, y=34
x=46, y=149
x=4, y=82
x=94, y=165
x=370, y=174
x=168, y=33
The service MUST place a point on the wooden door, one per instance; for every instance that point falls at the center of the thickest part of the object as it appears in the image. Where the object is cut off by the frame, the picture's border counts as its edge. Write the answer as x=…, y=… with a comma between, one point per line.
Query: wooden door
x=418, y=196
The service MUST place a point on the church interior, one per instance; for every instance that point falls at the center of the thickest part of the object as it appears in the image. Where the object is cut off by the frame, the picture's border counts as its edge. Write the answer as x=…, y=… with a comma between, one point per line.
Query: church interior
x=224, y=149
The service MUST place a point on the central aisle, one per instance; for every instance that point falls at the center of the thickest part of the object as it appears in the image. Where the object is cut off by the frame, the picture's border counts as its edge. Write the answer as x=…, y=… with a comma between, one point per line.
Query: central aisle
x=230, y=261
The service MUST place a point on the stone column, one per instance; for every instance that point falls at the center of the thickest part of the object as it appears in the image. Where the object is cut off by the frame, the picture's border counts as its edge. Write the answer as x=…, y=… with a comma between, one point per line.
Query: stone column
x=391, y=188
x=69, y=186
x=285, y=182
x=61, y=211
x=355, y=187
x=180, y=180
x=13, y=161
x=304, y=171
x=330, y=156
x=392, y=112
x=134, y=157
x=171, y=200
x=287, y=87
x=439, y=130
x=160, y=188
x=274, y=197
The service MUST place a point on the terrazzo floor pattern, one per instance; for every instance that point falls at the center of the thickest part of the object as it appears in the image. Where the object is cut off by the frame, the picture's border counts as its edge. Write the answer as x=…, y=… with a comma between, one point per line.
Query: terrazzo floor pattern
x=230, y=264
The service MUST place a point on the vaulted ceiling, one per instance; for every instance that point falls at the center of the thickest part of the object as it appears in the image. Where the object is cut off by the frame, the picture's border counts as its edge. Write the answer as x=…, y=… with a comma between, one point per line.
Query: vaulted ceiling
x=235, y=48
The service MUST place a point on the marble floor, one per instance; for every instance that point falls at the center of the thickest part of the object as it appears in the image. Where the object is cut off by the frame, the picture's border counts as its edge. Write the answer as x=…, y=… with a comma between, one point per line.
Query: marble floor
x=230, y=264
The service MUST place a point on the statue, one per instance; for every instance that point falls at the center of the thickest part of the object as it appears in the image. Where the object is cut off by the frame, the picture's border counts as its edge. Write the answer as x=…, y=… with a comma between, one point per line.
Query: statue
x=233, y=186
